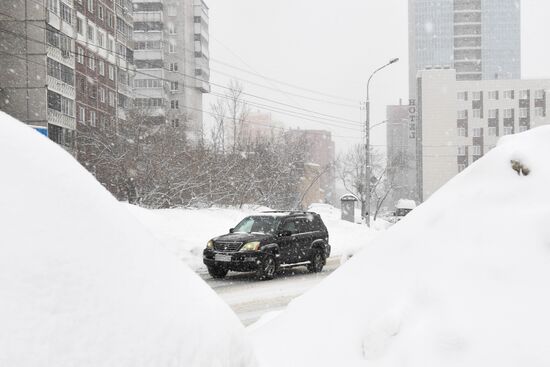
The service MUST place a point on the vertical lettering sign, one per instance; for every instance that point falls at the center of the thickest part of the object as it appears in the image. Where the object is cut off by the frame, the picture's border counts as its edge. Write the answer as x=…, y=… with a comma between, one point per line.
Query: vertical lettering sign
x=412, y=119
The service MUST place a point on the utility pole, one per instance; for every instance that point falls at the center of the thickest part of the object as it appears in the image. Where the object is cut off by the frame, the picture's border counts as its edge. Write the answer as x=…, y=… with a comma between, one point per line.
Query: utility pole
x=366, y=204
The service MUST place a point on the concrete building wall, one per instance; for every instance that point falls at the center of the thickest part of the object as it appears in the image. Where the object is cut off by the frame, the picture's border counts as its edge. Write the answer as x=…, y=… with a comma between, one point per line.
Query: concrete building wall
x=460, y=121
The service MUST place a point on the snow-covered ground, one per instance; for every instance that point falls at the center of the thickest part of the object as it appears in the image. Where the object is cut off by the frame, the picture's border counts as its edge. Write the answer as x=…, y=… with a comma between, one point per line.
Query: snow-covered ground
x=83, y=284
x=461, y=281
x=185, y=232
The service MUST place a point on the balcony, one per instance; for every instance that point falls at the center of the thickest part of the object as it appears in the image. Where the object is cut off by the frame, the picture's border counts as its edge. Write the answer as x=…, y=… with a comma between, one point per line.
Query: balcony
x=59, y=119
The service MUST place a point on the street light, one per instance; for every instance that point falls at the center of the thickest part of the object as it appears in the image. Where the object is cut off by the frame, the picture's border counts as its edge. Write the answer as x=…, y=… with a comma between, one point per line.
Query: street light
x=366, y=204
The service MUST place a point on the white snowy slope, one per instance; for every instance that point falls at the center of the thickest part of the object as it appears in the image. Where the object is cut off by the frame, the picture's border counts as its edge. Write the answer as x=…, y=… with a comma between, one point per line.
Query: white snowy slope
x=462, y=281
x=82, y=284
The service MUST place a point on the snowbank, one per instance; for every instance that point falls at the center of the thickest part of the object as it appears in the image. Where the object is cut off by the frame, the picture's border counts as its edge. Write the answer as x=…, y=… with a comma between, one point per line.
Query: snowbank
x=185, y=232
x=461, y=281
x=82, y=284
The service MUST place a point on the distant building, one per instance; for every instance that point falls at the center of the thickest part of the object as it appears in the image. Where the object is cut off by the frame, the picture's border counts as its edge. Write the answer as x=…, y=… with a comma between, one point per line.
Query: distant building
x=459, y=121
x=401, y=152
x=481, y=39
x=171, y=39
x=260, y=125
x=318, y=166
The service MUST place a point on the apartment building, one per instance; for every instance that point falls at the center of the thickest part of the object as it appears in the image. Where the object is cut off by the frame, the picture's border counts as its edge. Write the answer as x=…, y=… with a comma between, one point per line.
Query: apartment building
x=172, y=58
x=69, y=64
x=459, y=121
x=37, y=85
x=480, y=39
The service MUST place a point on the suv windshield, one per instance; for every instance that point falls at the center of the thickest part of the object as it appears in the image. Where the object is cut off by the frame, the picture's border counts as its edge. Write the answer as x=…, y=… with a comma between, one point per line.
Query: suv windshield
x=258, y=224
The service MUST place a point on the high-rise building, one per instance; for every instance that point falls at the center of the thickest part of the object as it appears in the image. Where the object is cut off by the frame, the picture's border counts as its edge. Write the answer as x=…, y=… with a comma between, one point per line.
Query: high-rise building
x=460, y=121
x=172, y=58
x=69, y=63
x=481, y=39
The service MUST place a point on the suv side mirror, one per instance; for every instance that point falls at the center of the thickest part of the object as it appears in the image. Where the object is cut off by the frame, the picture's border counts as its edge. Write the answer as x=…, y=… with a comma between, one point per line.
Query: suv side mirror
x=231, y=230
x=285, y=233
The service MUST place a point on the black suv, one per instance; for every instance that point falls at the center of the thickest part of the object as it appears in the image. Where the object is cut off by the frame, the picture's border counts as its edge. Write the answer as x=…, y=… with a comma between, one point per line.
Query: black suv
x=269, y=240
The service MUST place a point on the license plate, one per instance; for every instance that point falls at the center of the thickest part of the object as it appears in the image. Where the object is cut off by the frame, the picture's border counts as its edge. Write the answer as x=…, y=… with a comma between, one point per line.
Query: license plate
x=221, y=257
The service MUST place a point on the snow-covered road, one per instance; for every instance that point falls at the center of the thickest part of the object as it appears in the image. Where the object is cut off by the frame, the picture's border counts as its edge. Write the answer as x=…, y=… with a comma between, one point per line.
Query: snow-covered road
x=250, y=299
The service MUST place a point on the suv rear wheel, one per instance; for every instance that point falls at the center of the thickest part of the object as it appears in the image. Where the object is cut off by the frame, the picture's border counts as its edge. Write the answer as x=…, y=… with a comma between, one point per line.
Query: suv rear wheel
x=267, y=268
x=317, y=261
x=217, y=272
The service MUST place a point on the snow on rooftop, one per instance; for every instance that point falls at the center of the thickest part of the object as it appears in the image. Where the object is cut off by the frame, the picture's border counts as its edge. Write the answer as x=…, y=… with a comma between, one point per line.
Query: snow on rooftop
x=83, y=284
x=461, y=281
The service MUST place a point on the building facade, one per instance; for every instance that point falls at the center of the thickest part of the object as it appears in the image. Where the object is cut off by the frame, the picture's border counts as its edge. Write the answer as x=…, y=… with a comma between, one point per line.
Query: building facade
x=70, y=62
x=401, y=141
x=172, y=60
x=481, y=39
x=459, y=121
x=37, y=85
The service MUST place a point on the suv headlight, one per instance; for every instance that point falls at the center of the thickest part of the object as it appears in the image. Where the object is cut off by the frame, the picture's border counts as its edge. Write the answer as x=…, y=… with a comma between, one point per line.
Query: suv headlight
x=210, y=244
x=251, y=246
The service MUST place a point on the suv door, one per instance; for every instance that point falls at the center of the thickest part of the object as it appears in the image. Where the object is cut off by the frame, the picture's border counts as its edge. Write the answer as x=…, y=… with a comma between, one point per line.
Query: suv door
x=288, y=245
x=305, y=239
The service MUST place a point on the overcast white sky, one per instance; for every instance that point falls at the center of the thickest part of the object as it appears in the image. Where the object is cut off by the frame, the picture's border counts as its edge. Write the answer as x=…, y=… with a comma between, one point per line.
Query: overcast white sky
x=332, y=47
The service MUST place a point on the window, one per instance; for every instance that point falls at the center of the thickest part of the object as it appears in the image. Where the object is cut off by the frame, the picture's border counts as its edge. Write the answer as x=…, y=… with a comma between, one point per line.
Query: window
x=476, y=113
x=461, y=167
x=82, y=114
x=60, y=72
x=147, y=83
x=172, y=47
x=462, y=96
x=462, y=114
x=539, y=94
x=52, y=6
x=522, y=128
x=476, y=96
x=91, y=6
x=492, y=131
x=111, y=99
x=508, y=113
x=90, y=33
x=66, y=13
x=91, y=62
x=539, y=111
x=508, y=94
x=508, y=130
x=83, y=85
x=67, y=107
x=100, y=12
x=461, y=131
x=524, y=94
x=111, y=72
x=80, y=55
x=461, y=150
x=493, y=113
x=101, y=67
x=523, y=113
x=111, y=45
x=93, y=118
x=173, y=66
x=93, y=91
x=172, y=28
x=100, y=39
x=476, y=150
x=174, y=105
x=478, y=132
x=79, y=26
x=148, y=102
x=493, y=95
x=110, y=20
x=174, y=86
x=176, y=123
x=102, y=94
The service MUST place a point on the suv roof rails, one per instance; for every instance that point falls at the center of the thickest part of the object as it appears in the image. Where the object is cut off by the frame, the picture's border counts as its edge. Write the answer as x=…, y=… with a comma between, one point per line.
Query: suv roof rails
x=287, y=211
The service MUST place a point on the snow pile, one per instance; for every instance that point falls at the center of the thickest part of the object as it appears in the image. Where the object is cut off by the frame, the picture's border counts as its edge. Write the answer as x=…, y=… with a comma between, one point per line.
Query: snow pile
x=185, y=232
x=461, y=281
x=82, y=284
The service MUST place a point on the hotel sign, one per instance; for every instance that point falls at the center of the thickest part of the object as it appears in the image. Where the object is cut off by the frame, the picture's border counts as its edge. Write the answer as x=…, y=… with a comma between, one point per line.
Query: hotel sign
x=412, y=119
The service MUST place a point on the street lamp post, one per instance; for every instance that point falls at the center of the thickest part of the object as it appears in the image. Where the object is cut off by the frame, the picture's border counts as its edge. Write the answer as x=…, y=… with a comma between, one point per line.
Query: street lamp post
x=366, y=204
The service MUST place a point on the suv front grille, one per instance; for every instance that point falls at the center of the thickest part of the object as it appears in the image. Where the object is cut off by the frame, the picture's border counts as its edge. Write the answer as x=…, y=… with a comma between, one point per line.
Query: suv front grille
x=227, y=246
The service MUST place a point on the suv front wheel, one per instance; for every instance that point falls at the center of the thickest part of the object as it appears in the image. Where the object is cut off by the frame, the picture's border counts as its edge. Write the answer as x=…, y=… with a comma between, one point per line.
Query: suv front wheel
x=217, y=272
x=317, y=261
x=267, y=268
